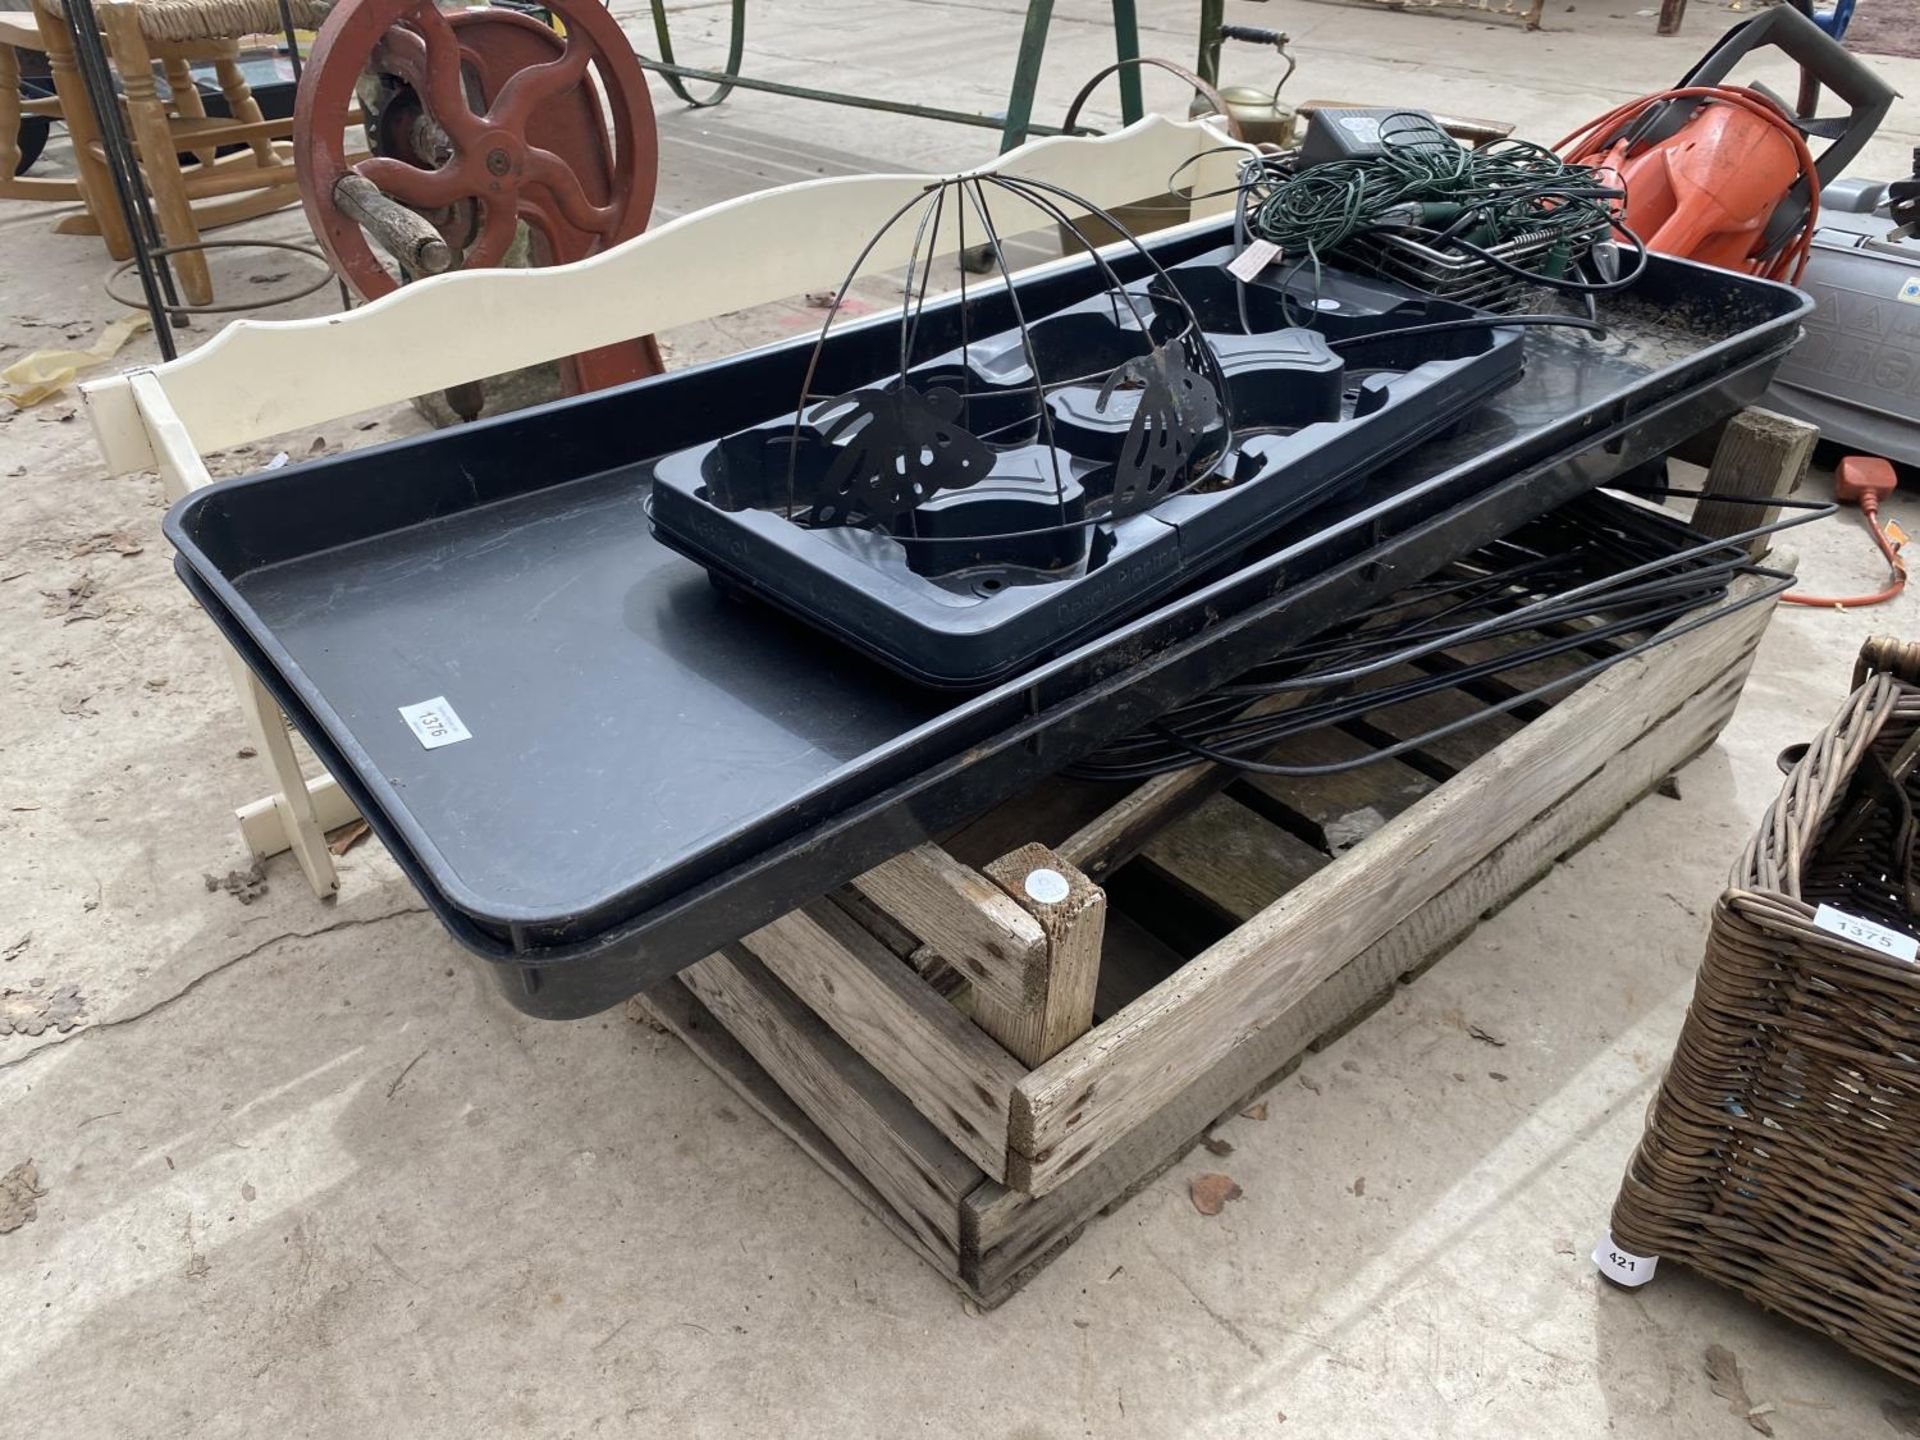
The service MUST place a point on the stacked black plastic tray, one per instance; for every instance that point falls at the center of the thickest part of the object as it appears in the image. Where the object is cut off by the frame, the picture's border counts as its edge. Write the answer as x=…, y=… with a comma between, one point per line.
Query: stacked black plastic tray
x=653, y=770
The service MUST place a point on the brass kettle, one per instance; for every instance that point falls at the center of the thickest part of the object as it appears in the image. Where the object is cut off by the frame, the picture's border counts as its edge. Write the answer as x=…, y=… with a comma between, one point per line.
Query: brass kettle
x=1261, y=115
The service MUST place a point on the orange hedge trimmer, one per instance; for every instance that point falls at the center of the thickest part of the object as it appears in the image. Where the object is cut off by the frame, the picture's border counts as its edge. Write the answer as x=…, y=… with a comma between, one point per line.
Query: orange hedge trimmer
x=1723, y=173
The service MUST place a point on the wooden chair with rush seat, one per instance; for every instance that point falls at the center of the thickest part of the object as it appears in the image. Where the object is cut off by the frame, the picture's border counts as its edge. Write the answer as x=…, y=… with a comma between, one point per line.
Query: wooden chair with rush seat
x=210, y=189
x=18, y=33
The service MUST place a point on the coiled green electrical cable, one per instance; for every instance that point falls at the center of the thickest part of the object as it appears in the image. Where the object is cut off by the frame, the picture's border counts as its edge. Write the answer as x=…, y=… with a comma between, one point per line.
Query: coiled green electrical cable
x=1446, y=196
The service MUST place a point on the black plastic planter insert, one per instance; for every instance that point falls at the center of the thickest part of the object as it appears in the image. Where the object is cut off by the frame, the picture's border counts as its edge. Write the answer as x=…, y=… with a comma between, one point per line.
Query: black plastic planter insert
x=1046, y=544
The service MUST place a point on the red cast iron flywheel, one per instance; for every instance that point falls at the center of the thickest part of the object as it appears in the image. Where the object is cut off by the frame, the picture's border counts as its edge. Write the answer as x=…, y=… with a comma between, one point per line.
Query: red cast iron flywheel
x=479, y=120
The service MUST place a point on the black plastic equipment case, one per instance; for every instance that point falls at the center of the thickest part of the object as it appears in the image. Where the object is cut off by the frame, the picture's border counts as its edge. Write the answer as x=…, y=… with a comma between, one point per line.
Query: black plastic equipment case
x=655, y=771
x=946, y=605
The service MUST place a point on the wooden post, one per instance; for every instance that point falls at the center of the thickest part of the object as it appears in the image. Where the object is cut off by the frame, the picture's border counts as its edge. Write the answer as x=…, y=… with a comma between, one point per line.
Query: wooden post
x=957, y=1077
x=968, y=921
x=240, y=102
x=922, y=1176
x=670, y=1003
x=96, y=184
x=1072, y=910
x=1762, y=455
x=184, y=96
x=153, y=139
x=9, y=111
x=1672, y=12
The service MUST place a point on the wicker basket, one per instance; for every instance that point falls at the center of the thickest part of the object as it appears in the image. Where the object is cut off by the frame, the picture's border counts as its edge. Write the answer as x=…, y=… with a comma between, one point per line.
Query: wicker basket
x=1782, y=1153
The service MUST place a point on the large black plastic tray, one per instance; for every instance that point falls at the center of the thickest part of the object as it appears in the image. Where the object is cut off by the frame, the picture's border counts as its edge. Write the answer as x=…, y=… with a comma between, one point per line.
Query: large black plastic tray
x=655, y=770
x=942, y=603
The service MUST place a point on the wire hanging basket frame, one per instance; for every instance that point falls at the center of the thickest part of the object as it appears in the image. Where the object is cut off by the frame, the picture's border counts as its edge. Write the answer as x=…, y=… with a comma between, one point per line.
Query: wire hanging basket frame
x=892, y=446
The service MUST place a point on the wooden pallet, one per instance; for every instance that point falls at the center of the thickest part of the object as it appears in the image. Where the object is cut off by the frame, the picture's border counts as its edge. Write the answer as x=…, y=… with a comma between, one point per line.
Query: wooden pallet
x=990, y=1040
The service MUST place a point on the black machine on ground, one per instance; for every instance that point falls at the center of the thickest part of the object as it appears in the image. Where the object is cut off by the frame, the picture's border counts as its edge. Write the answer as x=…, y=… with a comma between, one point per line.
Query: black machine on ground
x=1857, y=374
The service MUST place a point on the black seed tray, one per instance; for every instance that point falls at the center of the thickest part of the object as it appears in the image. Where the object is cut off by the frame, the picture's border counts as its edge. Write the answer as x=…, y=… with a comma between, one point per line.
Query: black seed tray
x=981, y=582
x=653, y=771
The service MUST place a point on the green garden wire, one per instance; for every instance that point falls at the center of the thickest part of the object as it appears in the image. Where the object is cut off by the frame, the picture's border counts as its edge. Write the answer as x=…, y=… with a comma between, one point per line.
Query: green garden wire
x=1434, y=190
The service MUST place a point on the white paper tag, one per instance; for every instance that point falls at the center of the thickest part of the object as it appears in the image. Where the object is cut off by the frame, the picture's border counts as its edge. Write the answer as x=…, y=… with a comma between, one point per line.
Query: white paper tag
x=1621, y=1266
x=1259, y=254
x=434, y=722
x=1865, y=932
x=1910, y=290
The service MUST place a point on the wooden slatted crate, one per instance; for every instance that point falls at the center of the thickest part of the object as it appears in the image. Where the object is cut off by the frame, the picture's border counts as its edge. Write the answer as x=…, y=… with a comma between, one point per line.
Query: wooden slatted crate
x=990, y=1040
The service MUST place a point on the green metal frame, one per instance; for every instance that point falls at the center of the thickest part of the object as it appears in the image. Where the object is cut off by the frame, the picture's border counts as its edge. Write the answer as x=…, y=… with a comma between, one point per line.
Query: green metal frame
x=1213, y=14
x=1014, y=127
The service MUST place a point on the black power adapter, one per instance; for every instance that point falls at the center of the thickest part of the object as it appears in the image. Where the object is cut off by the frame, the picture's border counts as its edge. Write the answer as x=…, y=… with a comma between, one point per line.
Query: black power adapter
x=1364, y=134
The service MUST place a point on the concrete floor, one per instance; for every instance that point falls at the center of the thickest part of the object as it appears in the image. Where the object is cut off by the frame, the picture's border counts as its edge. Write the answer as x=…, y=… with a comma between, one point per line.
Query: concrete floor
x=305, y=1175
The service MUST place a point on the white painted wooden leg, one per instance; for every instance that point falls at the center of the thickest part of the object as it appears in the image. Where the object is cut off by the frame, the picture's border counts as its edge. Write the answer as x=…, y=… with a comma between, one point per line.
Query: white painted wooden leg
x=290, y=800
x=182, y=471
x=266, y=837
